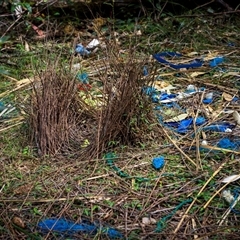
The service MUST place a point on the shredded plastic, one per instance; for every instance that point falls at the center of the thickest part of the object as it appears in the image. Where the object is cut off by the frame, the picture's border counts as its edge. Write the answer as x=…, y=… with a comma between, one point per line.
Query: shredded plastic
x=81, y=50
x=158, y=162
x=63, y=226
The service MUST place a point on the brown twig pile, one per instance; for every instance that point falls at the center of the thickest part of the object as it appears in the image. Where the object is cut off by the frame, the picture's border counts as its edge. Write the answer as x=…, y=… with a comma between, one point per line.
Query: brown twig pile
x=56, y=111
x=126, y=113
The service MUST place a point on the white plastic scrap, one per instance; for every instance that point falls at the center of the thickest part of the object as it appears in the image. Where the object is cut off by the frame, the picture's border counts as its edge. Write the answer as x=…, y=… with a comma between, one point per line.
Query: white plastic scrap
x=94, y=43
x=231, y=178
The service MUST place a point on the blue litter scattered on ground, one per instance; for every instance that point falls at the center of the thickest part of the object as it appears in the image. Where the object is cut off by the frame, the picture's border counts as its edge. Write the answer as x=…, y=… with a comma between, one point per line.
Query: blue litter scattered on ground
x=160, y=58
x=83, y=77
x=228, y=144
x=63, y=226
x=224, y=127
x=216, y=61
x=158, y=162
x=81, y=50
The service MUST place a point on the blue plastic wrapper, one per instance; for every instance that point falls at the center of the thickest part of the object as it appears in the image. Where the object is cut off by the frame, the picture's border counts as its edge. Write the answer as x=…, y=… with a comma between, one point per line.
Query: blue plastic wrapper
x=216, y=61
x=64, y=226
x=145, y=71
x=83, y=77
x=160, y=58
x=228, y=144
x=184, y=125
x=82, y=50
x=224, y=127
x=158, y=162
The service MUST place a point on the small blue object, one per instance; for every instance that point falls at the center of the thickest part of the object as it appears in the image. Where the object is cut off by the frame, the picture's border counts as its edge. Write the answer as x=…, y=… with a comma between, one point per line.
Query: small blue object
x=82, y=50
x=145, y=71
x=207, y=100
x=83, y=77
x=224, y=127
x=149, y=90
x=158, y=162
x=216, y=61
x=2, y=107
x=155, y=98
x=236, y=193
x=63, y=226
x=227, y=144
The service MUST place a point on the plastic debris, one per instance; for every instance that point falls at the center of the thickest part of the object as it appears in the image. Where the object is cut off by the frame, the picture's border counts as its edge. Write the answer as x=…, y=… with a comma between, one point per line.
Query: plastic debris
x=231, y=178
x=81, y=50
x=227, y=144
x=158, y=162
x=94, y=43
x=224, y=127
x=208, y=98
x=64, y=226
x=83, y=77
x=145, y=71
x=216, y=61
x=160, y=58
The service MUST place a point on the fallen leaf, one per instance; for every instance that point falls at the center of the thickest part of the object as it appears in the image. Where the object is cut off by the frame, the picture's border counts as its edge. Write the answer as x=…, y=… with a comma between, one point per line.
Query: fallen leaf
x=18, y=221
x=236, y=117
x=178, y=118
x=195, y=74
x=23, y=189
x=227, y=97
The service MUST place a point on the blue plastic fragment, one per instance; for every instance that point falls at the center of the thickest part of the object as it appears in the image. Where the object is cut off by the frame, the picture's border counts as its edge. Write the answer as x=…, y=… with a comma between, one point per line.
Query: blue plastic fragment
x=81, y=50
x=200, y=120
x=149, y=90
x=145, y=71
x=207, y=100
x=157, y=107
x=224, y=127
x=236, y=193
x=227, y=144
x=2, y=106
x=155, y=98
x=216, y=61
x=64, y=226
x=83, y=77
x=159, y=57
x=158, y=162
x=165, y=96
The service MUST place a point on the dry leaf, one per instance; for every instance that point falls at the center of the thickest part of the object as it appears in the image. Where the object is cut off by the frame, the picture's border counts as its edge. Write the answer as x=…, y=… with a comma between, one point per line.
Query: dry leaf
x=227, y=97
x=231, y=178
x=18, y=221
x=23, y=189
x=178, y=118
x=236, y=117
x=195, y=74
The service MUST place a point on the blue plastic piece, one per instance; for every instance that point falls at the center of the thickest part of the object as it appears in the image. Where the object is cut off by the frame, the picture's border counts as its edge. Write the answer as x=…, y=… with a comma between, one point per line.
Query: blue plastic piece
x=155, y=98
x=159, y=57
x=200, y=120
x=63, y=226
x=83, y=77
x=227, y=144
x=218, y=127
x=158, y=162
x=216, y=61
x=145, y=71
x=165, y=96
x=149, y=90
x=2, y=107
x=207, y=100
x=82, y=50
